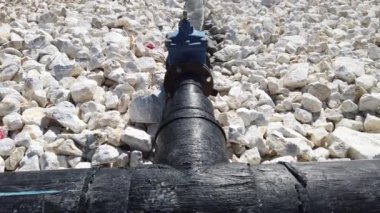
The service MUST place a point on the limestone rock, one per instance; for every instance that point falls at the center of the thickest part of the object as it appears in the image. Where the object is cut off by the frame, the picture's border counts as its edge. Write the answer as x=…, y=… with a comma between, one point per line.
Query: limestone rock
x=137, y=139
x=110, y=119
x=64, y=147
x=49, y=161
x=303, y=116
x=247, y=115
x=13, y=160
x=351, y=124
x=83, y=90
x=366, y=81
x=65, y=113
x=13, y=121
x=29, y=163
x=358, y=145
x=2, y=165
x=347, y=68
x=349, y=106
x=9, y=105
x=338, y=149
x=7, y=146
x=369, y=102
x=136, y=159
x=228, y=53
x=146, y=109
x=251, y=156
x=296, y=76
x=311, y=103
x=104, y=154
x=372, y=124
x=320, y=154
x=34, y=116
x=83, y=165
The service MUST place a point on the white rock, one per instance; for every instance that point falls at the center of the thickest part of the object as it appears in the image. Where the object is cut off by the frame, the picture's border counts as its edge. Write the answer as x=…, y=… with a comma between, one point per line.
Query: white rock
x=349, y=106
x=9, y=71
x=228, y=53
x=283, y=58
x=50, y=136
x=136, y=159
x=73, y=161
x=29, y=163
x=146, y=109
x=9, y=105
x=113, y=135
x=35, y=148
x=137, y=139
x=116, y=38
x=289, y=146
x=111, y=101
x=5, y=30
x=319, y=136
x=13, y=160
x=33, y=131
x=321, y=91
x=303, y=116
x=333, y=114
x=247, y=115
x=251, y=156
x=34, y=116
x=351, y=124
x=7, y=146
x=23, y=139
x=104, y=154
x=296, y=76
x=146, y=64
x=49, y=161
x=83, y=90
x=63, y=147
x=122, y=161
x=347, y=68
x=57, y=94
x=359, y=145
x=83, y=165
x=288, y=159
x=236, y=129
x=2, y=165
x=293, y=128
x=66, y=114
x=48, y=17
x=366, y=81
x=123, y=104
x=90, y=107
x=311, y=103
x=320, y=154
x=13, y=121
x=254, y=138
x=110, y=119
x=374, y=52
x=372, y=124
x=369, y=102
x=62, y=160
x=338, y=149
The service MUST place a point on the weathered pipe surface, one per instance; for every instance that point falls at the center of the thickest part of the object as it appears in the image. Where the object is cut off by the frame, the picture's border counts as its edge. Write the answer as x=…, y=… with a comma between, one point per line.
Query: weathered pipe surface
x=189, y=137
x=303, y=187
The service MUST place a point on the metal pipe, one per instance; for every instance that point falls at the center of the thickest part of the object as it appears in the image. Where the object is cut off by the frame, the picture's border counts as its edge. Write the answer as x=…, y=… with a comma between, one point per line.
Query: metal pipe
x=189, y=137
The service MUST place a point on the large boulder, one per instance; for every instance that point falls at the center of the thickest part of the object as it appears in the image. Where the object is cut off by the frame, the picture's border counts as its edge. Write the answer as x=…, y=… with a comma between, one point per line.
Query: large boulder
x=360, y=145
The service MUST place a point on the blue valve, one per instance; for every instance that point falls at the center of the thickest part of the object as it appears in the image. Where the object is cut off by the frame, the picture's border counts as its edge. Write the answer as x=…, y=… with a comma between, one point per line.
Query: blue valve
x=186, y=45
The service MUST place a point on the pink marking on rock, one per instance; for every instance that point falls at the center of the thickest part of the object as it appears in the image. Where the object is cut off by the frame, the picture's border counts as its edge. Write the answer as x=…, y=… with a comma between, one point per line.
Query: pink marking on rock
x=150, y=45
x=2, y=133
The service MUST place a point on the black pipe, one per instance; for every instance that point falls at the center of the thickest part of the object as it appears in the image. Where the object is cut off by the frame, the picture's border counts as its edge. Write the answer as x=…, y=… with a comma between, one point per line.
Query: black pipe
x=339, y=187
x=189, y=137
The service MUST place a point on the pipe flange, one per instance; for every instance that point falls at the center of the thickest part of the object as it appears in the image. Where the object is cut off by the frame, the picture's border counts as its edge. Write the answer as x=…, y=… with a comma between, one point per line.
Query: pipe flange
x=201, y=70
